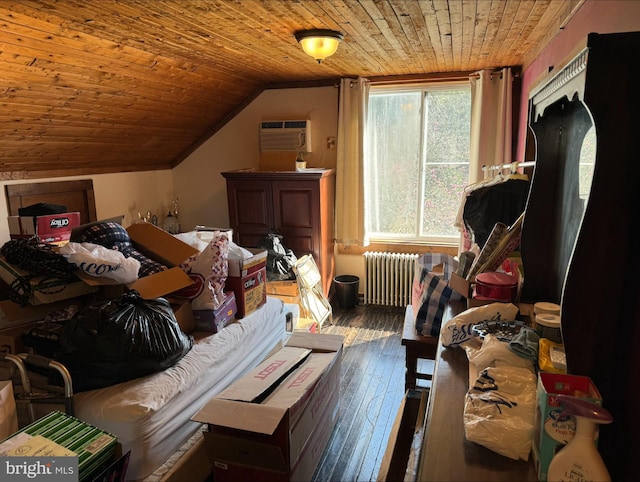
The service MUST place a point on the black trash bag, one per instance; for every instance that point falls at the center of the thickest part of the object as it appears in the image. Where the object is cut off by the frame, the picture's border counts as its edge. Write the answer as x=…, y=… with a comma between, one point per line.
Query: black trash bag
x=119, y=340
x=280, y=260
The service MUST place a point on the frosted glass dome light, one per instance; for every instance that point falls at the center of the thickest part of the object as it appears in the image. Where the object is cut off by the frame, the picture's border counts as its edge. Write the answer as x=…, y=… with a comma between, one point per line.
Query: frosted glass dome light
x=319, y=43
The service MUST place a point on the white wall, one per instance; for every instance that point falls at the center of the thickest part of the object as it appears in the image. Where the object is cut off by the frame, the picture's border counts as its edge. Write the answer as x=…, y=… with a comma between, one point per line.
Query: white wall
x=199, y=185
x=197, y=181
x=115, y=194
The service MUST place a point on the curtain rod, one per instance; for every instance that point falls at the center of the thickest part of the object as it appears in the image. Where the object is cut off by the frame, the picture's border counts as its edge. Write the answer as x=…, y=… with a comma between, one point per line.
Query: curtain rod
x=433, y=80
x=421, y=78
x=514, y=74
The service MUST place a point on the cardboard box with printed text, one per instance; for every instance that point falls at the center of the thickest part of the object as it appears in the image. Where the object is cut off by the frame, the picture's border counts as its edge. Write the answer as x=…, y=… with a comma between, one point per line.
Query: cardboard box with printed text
x=553, y=428
x=212, y=321
x=42, y=289
x=274, y=423
x=250, y=291
x=51, y=229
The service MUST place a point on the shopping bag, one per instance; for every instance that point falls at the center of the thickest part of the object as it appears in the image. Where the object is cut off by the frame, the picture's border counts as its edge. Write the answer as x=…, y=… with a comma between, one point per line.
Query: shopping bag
x=499, y=410
x=101, y=262
x=431, y=292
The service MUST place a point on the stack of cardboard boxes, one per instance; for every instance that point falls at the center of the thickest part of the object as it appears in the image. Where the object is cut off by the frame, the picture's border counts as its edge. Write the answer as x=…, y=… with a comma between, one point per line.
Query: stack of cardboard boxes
x=289, y=293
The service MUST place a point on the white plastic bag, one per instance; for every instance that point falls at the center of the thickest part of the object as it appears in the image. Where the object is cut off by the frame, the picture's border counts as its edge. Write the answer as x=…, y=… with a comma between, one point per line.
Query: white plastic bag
x=238, y=252
x=458, y=329
x=499, y=411
x=495, y=353
x=101, y=262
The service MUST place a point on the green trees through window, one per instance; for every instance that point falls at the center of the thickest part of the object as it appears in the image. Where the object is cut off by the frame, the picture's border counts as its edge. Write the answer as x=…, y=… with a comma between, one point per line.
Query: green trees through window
x=416, y=161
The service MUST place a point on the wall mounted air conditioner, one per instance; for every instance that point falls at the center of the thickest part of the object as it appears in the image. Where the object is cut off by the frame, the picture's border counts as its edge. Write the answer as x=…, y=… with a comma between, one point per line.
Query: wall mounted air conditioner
x=285, y=135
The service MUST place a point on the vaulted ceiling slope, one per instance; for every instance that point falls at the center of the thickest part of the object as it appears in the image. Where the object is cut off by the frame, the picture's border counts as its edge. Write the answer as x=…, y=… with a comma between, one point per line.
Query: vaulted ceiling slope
x=100, y=86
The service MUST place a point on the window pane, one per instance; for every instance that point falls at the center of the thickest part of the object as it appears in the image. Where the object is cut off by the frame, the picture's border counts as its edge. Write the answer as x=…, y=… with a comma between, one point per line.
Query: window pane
x=448, y=130
x=447, y=125
x=443, y=187
x=392, y=163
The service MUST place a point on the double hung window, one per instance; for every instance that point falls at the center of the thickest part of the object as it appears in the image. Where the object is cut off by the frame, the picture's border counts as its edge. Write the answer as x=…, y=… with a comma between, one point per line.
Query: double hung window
x=416, y=161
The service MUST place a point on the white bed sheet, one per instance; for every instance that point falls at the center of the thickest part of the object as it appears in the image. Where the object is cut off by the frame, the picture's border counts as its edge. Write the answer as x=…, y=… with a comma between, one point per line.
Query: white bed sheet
x=151, y=416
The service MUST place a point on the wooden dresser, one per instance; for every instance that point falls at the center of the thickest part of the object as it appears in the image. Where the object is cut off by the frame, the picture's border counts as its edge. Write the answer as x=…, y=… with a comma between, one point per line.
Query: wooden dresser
x=297, y=205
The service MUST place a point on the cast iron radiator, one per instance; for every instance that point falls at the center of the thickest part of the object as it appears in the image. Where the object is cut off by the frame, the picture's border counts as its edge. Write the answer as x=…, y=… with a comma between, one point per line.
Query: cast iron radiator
x=388, y=278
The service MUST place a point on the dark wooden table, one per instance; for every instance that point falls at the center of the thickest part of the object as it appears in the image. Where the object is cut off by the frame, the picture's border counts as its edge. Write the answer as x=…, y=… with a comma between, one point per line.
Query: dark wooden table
x=417, y=347
x=446, y=454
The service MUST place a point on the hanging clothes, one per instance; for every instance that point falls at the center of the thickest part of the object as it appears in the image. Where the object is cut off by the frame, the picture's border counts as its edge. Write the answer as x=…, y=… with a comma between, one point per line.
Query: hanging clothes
x=487, y=205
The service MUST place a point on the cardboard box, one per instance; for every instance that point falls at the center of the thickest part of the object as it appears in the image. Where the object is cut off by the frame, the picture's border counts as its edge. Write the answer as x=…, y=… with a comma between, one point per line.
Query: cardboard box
x=274, y=423
x=51, y=229
x=287, y=291
x=283, y=288
x=12, y=314
x=243, y=267
x=195, y=464
x=41, y=290
x=250, y=291
x=213, y=321
x=184, y=315
x=552, y=429
x=307, y=325
x=94, y=447
x=291, y=300
x=158, y=245
x=461, y=285
x=466, y=287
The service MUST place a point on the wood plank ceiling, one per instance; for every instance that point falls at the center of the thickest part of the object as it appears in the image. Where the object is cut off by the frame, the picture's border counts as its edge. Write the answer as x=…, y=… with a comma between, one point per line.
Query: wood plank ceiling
x=100, y=86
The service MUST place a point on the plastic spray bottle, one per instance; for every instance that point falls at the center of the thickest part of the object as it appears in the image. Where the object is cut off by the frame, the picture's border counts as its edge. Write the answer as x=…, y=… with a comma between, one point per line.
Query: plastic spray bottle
x=579, y=460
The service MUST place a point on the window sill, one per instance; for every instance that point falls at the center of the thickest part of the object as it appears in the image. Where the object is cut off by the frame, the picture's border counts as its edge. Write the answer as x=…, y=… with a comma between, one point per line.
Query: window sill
x=398, y=248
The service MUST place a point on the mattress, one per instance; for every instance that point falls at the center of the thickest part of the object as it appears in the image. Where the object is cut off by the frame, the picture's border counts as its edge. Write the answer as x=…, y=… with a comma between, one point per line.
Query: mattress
x=151, y=416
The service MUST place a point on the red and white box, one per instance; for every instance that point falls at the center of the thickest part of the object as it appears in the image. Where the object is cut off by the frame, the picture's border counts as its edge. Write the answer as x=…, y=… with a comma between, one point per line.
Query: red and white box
x=250, y=290
x=51, y=229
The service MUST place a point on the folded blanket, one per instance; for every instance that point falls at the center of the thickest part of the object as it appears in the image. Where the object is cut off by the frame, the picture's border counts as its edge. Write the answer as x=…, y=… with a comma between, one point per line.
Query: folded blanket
x=525, y=344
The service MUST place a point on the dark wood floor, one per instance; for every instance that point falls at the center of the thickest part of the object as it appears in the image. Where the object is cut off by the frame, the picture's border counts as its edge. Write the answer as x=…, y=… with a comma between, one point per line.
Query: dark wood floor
x=371, y=391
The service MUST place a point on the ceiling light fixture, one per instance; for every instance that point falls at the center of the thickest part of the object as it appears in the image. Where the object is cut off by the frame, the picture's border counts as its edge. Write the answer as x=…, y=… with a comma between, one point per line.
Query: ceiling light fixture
x=319, y=43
